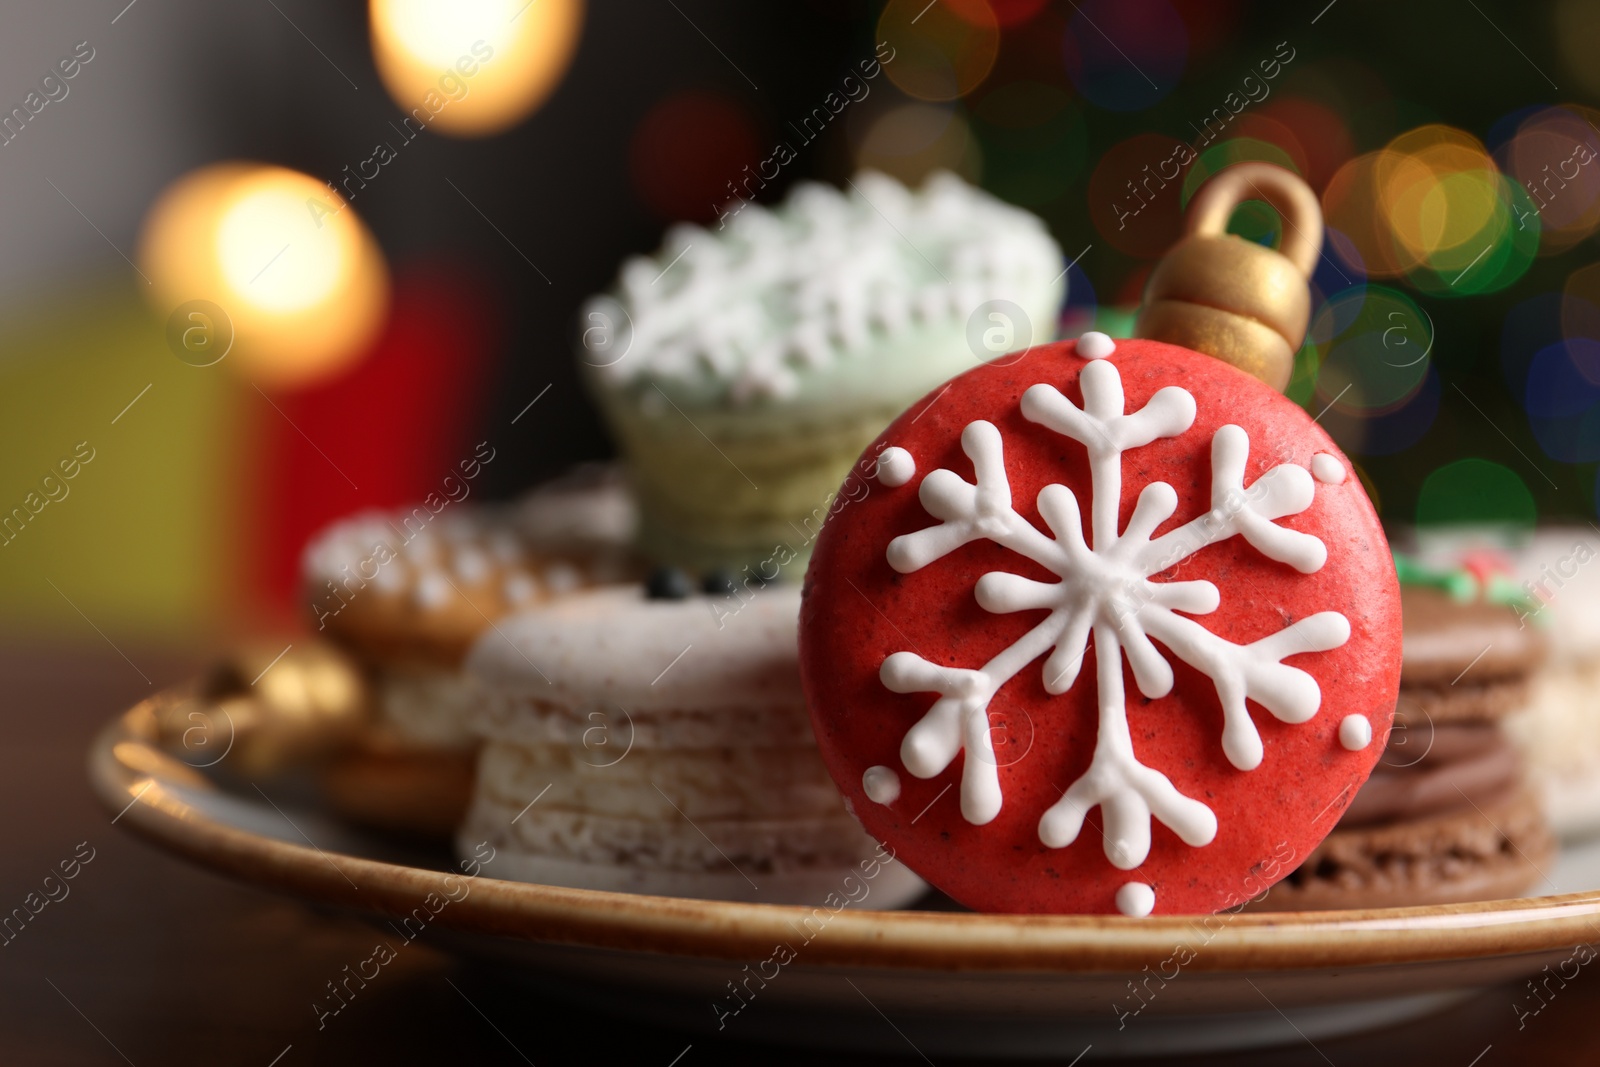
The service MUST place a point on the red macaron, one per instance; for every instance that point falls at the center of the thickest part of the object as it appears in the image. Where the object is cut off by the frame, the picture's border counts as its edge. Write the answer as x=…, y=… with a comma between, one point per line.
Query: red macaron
x=1112, y=626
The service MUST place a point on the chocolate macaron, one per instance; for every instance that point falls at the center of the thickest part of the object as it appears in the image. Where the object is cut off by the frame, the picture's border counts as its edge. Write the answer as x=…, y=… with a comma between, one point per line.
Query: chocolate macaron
x=1448, y=814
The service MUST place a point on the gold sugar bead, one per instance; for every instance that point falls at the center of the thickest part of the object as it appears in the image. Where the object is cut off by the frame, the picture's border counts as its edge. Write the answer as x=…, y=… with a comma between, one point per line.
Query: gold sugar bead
x=264, y=711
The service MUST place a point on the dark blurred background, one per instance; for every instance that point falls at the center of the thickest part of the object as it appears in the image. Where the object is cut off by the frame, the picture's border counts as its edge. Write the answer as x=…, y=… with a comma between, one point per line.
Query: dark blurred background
x=1455, y=351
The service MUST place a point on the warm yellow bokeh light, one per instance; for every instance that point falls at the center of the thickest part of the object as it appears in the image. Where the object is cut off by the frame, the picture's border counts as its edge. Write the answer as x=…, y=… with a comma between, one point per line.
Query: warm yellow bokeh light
x=939, y=51
x=473, y=67
x=299, y=277
x=1461, y=205
x=252, y=230
x=1577, y=22
x=912, y=141
x=1439, y=189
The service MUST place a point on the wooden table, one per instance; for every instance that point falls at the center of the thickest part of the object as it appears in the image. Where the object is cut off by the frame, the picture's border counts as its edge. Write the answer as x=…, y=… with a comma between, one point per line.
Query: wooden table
x=150, y=961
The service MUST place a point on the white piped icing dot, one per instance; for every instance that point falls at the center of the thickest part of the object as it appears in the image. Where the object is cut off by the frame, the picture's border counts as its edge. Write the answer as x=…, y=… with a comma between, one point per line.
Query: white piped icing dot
x=562, y=577
x=432, y=590
x=1355, y=732
x=391, y=576
x=1096, y=345
x=1136, y=900
x=471, y=565
x=1326, y=469
x=881, y=784
x=423, y=548
x=895, y=466
x=504, y=547
x=520, y=589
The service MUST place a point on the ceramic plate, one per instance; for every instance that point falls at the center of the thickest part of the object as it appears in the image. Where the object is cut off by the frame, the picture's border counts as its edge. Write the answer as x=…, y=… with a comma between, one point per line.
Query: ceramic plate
x=947, y=982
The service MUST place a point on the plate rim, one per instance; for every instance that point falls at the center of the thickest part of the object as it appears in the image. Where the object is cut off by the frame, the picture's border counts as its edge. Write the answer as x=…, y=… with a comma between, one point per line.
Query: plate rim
x=131, y=775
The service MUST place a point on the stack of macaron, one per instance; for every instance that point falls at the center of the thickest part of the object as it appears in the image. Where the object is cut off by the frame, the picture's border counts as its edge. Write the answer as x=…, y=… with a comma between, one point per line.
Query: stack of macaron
x=1448, y=814
x=1559, y=732
x=655, y=737
x=408, y=592
x=1548, y=577
x=655, y=740
x=744, y=369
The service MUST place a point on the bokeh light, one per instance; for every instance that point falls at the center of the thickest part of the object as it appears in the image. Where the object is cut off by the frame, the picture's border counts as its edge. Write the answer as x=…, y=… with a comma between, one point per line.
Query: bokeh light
x=1389, y=432
x=941, y=51
x=1561, y=394
x=1350, y=205
x=473, y=67
x=1564, y=380
x=1527, y=327
x=911, y=141
x=1223, y=154
x=1211, y=23
x=286, y=259
x=1474, y=492
x=1436, y=185
x=696, y=151
x=1433, y=206
x=1033, y=52
x=1134, y=194
x=1554, y=155
x=1125, y=55
x=1257, y=221
x=1349, y=88
x=1375, y=346
x=1577, y=27
x=1580, y=303
x=1035, y=140
x=1321, y=133
x=1016, y=12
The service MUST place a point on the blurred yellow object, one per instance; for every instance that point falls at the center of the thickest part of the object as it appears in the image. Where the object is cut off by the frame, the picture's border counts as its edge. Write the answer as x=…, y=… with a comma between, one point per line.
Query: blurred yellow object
x=1576, y=24
x=1438, y=188
x=471, y=68
x=1244, y=303
x=938, y=52
x=296, y=286
x=263, y=711
x=912, y=141
x=80, y=356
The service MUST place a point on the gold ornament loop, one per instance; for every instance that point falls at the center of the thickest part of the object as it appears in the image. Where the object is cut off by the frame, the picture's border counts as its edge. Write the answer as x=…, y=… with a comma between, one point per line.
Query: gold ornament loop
x=1245, y=303
x=1288, y=194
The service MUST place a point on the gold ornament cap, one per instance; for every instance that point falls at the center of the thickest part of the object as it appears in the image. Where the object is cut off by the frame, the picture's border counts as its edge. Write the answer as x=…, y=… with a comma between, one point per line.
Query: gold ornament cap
x=1220, y=294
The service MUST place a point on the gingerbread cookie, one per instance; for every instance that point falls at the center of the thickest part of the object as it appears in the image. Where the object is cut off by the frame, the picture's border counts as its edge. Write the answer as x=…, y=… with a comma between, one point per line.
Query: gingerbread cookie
x=1072, y=652
x=408, y=592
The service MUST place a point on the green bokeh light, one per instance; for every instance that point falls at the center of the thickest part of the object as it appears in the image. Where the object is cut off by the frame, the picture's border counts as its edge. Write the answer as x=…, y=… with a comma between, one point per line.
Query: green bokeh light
x=1372, y=349
x=1477, y=492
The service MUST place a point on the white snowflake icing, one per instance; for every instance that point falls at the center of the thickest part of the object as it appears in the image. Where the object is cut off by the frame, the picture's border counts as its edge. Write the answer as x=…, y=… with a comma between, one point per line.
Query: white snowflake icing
x=1106, y=590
